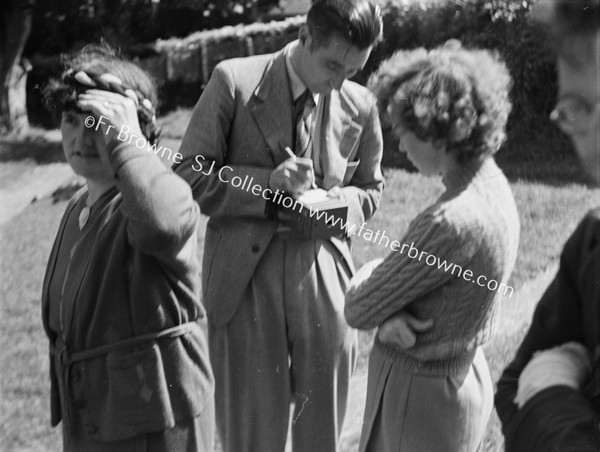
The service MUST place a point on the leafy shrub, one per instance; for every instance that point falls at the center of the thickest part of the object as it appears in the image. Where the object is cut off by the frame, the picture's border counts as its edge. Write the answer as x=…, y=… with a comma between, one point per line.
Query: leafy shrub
x=500, y=25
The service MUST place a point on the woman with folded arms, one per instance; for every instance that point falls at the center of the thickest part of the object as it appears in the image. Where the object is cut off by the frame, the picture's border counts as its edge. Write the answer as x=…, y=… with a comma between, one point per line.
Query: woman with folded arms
x=433, y=300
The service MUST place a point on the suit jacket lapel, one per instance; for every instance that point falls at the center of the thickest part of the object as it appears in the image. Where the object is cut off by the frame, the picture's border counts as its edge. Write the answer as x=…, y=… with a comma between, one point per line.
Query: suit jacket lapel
x=271, y=106
x=339, y=137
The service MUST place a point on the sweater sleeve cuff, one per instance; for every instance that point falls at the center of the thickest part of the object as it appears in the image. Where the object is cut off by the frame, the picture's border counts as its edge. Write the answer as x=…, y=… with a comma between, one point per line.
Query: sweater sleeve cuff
x=120, y=152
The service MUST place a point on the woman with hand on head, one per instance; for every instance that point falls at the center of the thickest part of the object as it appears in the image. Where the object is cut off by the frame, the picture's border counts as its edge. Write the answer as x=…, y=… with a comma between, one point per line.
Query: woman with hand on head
x=129, y=361
x=429, y=386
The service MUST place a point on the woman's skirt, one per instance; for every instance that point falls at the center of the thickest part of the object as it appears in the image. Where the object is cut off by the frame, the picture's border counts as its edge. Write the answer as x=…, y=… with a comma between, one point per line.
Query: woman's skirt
x=410, y=412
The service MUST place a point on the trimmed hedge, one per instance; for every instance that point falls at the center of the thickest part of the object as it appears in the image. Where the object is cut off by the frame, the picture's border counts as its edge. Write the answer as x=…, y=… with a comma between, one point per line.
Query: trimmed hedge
x=57, y=24
x=183, y=66
x=180, y=67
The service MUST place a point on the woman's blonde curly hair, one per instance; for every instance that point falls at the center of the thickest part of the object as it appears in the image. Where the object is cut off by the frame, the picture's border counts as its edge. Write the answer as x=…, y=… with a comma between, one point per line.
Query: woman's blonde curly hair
x=450, y=94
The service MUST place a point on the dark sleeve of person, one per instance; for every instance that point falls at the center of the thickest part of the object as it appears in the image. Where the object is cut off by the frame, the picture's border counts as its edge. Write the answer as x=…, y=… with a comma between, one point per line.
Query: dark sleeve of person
x=558, y=415
x=557, y=419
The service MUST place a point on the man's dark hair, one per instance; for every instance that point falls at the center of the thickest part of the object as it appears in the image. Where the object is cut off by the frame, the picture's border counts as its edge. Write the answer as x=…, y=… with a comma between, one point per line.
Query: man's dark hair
x=573, y=17
x=573, y=26
x=358, y=21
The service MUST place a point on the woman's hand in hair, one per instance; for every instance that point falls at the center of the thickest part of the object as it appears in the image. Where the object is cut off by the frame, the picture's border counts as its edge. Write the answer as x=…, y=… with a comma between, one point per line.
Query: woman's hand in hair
x=116, y=115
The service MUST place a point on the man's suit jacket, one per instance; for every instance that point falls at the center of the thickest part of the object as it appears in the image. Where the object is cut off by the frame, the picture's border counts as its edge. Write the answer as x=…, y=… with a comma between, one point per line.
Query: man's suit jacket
x=240, y=127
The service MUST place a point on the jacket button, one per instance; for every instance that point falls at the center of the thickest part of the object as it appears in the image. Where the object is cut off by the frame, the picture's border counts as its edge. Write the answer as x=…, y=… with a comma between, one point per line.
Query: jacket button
x=255, y=248
x=76, y=375
x=91, y=429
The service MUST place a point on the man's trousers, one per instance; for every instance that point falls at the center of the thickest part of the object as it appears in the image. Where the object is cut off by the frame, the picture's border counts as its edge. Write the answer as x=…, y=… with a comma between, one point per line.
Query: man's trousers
x=288, y=344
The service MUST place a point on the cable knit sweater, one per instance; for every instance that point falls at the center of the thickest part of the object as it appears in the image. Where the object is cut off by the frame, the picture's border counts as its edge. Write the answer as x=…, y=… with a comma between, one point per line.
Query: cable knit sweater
x=475, y=225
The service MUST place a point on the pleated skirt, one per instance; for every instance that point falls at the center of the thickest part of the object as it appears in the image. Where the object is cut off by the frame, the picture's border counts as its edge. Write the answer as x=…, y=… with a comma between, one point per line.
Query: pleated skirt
x=408, y=411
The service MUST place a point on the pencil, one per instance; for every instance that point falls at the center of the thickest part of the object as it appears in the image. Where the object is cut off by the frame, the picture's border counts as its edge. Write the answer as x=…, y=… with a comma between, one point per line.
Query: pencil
x=290, y=153
x=293, y=157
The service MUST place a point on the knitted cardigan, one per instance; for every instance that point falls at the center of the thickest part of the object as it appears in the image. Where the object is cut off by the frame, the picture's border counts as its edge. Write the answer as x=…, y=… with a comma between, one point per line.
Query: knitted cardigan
x=473, y=227
x=132, y=277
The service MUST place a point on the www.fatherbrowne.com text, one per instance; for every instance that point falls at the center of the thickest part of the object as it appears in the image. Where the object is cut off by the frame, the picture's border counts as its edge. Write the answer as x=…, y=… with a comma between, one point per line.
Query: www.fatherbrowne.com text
x=226, y=174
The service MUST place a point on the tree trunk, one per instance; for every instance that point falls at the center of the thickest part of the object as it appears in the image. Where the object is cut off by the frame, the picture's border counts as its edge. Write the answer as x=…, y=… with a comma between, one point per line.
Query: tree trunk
x=15, y=25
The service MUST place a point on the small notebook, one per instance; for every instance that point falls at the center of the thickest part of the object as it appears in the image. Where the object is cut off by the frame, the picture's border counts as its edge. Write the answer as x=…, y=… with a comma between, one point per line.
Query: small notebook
x=322, y=215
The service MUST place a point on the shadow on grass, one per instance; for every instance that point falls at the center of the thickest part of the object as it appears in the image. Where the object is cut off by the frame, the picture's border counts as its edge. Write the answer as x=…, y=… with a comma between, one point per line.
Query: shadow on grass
x=44, y=147
x=557, y=171
x=541, y=155
x=41, y=146
x=549, y=159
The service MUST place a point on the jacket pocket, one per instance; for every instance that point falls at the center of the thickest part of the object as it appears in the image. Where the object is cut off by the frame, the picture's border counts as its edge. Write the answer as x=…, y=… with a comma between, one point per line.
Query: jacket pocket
x=137, y=400
x=350, y=170
x=211, y=246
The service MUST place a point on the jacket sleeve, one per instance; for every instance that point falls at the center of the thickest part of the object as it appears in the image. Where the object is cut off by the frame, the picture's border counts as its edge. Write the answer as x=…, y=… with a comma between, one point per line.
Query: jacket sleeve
x=204, y=148
x=557, y=319
x=364, y=190
x=558, y=418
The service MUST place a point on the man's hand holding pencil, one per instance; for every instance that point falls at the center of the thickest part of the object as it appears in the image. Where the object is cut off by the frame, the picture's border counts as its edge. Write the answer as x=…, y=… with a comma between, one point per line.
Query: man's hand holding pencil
x=294, y=176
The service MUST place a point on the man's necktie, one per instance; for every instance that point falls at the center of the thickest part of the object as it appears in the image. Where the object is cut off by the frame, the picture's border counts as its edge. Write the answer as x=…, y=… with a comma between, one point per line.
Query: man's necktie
x=303, y=107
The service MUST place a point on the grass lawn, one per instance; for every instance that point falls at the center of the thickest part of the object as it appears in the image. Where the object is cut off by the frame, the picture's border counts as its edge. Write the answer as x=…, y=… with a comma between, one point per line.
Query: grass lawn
x=549, y=211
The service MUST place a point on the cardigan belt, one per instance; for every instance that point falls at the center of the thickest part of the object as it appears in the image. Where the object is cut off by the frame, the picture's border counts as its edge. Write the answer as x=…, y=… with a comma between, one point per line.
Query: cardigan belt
x=66, y=359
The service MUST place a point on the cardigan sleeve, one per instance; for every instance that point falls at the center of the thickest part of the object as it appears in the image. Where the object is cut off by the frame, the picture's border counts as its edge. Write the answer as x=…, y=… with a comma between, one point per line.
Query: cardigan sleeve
x=158, y=204
x=411, y=271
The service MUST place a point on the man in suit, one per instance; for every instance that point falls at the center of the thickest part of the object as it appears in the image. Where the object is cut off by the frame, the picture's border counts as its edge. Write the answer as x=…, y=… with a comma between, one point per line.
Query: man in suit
x=275, y=295
x=548, y=397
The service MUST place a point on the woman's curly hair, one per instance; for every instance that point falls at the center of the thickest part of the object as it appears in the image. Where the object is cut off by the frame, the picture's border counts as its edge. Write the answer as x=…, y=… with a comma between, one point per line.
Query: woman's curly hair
x=450, y=94
x=95, y=60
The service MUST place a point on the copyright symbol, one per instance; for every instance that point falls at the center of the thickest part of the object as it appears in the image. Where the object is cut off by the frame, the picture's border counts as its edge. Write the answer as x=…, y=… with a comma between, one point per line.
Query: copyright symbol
x=89, y=122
